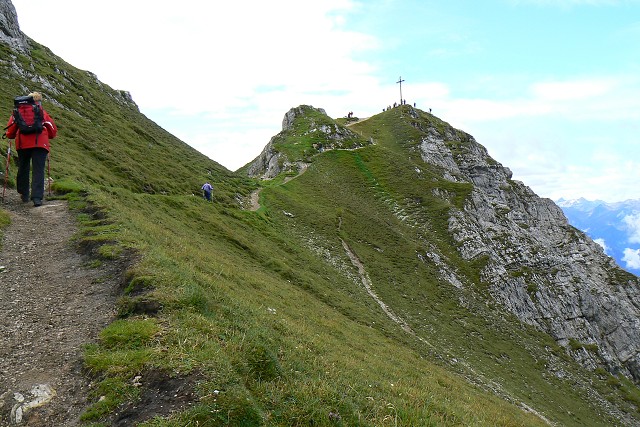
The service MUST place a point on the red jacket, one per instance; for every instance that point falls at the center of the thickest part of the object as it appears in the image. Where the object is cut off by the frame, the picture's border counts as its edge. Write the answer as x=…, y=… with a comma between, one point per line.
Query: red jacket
x=33, y=140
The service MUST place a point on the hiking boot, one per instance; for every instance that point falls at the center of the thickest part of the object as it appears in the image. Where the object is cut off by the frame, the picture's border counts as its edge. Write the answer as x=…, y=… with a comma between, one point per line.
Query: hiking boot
x=37, y=202
x=24, y=197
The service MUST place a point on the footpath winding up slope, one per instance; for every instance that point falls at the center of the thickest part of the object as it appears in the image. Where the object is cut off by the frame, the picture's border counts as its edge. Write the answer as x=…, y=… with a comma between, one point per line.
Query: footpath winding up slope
x=52, y=304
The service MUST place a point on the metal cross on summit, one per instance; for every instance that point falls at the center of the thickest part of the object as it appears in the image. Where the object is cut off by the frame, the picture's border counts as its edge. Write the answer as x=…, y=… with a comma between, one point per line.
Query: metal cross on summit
x=400, y=82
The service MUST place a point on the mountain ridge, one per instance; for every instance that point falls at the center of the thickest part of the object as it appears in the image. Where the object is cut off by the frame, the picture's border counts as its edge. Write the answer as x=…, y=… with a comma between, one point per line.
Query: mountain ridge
x=500, y=201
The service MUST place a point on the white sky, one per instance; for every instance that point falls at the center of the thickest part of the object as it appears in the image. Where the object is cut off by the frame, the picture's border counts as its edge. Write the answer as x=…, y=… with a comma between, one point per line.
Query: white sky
x=550, y=87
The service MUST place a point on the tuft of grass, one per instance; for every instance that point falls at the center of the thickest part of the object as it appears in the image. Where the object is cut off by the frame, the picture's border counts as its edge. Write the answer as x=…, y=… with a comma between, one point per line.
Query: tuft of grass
x=108, y=395
x=139, y=284
x=125, y=347
x=577, y=345
x=128, y=334
x=67, y=186
x=108, y=251
x=5, y=219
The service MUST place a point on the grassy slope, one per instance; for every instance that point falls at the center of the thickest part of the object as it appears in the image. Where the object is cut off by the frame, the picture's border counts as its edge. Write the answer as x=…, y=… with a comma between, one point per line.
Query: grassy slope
x=266, y=308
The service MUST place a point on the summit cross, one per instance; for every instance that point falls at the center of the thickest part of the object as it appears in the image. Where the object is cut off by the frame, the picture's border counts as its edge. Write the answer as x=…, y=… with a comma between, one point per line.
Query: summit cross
x=400, y=82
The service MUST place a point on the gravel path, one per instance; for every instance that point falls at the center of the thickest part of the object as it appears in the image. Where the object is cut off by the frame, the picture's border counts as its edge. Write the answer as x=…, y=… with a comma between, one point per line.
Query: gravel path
x=51, y=305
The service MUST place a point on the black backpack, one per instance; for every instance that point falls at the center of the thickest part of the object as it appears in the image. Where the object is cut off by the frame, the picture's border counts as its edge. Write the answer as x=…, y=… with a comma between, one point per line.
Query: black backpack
x=28, y=115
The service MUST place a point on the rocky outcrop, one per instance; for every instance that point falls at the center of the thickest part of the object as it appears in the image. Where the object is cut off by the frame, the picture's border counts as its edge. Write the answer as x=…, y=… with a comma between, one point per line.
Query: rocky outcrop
x=302, y=123
x=25, y=72
x=10, y=33
x=294, y=113
x=268, y=164
x=271, y=162
x=544, y=271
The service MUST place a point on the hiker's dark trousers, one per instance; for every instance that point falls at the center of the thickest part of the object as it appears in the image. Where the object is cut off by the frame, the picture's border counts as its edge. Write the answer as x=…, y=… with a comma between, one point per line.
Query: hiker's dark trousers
x=31, y=158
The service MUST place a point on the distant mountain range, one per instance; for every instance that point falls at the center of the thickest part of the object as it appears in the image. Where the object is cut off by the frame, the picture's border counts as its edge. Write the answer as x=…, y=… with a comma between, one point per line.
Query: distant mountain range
x=614, y=226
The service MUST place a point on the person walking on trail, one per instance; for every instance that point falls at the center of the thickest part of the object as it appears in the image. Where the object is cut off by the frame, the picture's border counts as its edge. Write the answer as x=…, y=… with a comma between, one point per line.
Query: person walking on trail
x=33, y=149
x=207, y=189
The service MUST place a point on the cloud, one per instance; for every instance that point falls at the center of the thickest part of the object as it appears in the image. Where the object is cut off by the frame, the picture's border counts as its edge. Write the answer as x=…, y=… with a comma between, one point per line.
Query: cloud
x=603, y=244
x=632, y=258
x=632, y=224
x=573, y=90
x=564, y=138
x=219, y=50
x=609, y=98
x=215, y=64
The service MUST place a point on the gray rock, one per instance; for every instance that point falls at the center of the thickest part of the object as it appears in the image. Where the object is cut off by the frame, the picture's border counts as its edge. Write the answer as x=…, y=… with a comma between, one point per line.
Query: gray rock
x=541, y=269
x=272, y=162
x=10, y=33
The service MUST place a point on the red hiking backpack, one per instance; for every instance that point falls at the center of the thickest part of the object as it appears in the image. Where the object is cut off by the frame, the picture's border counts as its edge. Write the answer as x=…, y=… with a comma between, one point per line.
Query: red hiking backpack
x=28, y=115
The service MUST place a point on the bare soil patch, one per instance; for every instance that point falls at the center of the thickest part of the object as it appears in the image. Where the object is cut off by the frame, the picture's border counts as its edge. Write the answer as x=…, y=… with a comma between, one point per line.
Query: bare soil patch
x=51, y=305
x=161, y=395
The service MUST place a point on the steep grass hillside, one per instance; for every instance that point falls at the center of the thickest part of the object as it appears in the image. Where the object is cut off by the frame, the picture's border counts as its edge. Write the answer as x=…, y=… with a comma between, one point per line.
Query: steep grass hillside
x=104, y=140
x=263, y=318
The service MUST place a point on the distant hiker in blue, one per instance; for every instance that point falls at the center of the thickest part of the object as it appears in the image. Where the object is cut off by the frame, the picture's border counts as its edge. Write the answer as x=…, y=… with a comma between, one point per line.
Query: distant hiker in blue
x=207, y=189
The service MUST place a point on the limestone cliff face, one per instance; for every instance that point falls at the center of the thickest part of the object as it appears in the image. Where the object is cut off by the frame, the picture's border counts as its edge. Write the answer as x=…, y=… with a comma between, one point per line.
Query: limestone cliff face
x=546, y=272
x=267, y=165
x=10, y=33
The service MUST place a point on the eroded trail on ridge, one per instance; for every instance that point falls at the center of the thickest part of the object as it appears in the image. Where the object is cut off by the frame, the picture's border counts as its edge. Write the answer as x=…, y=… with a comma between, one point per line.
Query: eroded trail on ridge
x=51, y=305
x=254, y=197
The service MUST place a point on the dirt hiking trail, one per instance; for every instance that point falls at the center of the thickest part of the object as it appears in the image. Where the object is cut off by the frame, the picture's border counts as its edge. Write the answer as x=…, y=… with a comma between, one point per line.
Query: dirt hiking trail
x=51, y=305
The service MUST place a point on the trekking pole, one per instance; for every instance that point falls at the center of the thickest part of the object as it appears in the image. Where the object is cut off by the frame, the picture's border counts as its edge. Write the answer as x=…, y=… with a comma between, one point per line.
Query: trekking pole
x=6, y=170
x=49, y=174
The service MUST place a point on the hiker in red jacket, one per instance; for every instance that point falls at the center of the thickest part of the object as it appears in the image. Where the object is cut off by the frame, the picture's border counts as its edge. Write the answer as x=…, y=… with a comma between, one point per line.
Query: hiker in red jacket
x=33, y=149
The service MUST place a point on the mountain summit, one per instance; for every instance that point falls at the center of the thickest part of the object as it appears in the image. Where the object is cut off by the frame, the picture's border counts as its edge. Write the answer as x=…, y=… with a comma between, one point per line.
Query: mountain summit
x=531, y=261
x=392, y=273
